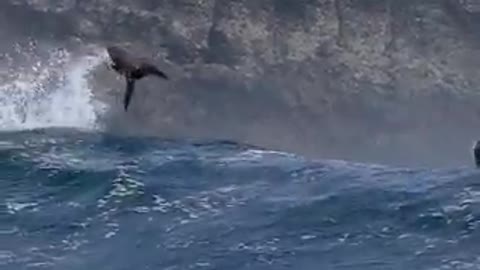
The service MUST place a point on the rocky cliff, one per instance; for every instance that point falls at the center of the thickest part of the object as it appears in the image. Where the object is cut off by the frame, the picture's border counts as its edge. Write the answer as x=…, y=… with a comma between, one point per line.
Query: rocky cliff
x=372, y=80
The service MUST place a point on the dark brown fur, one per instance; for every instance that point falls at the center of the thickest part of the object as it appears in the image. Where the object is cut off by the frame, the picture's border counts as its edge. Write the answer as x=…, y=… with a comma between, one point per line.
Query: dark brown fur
x=133, y=68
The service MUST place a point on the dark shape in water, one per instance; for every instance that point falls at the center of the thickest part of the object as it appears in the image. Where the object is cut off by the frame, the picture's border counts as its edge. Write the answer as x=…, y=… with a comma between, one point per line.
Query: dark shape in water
x=476, y=153
x=133, y=68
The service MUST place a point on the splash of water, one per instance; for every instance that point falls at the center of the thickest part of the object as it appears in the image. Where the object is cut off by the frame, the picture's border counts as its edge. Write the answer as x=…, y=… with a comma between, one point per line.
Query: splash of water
x=52, y=93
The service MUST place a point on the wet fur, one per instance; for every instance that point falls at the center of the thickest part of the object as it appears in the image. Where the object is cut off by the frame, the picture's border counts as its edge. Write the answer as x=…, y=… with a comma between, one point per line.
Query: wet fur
x=133, y=69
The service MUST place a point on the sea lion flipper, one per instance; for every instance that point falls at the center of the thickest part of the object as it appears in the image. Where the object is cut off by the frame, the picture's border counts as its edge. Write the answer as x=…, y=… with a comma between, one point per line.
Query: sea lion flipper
x=160, y=73
x=149, y=69
x=128, y=92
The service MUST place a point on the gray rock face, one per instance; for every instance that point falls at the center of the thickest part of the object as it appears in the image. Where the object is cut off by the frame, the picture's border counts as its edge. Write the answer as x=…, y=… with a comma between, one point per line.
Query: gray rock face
x=372, y=80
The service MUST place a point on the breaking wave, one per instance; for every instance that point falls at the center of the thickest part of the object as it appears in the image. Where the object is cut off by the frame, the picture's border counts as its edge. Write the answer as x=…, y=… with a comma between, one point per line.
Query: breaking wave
x=51, y=92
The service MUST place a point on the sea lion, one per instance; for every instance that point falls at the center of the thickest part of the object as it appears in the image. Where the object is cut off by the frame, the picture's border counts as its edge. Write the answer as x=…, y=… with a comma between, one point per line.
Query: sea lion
x=133, y=68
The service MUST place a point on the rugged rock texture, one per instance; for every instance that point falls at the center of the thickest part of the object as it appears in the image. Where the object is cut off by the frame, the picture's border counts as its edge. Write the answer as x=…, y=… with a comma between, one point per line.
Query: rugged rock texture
x=371, y=80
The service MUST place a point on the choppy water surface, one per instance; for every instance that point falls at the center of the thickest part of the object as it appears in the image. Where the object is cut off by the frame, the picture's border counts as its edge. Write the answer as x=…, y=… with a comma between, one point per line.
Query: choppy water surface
x=75, y=200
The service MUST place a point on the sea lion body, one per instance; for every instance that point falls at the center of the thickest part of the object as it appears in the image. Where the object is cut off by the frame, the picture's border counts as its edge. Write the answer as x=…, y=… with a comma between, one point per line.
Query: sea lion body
x=132, y=68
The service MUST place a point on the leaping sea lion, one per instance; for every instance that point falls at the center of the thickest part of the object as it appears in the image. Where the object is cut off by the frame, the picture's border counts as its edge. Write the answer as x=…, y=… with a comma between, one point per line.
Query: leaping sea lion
x=133, y=68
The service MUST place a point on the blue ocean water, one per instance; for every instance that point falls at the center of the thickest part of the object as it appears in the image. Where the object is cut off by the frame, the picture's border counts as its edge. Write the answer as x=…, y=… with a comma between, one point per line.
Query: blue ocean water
x=71, y=199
